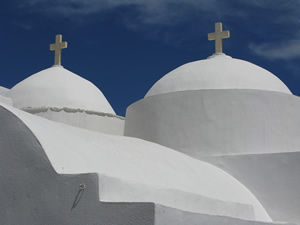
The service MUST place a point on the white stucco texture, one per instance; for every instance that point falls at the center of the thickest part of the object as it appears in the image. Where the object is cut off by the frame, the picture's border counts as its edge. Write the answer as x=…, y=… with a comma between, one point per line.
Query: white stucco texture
x=134, y=170
x=5, y=100
x=218, y=122
x=90, y=120
x=3, y=90
x=58, y=87
x=273, y=178
x=218, y=72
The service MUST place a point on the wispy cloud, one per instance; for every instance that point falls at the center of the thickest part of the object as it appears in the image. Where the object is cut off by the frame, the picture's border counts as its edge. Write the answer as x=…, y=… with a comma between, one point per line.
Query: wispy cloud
x=149, y=12
x=284, y=50
x=281, y=17
x=168, y=12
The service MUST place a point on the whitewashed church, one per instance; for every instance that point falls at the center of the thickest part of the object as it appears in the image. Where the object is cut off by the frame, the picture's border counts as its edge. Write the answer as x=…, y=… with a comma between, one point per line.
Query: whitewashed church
x=214, y=142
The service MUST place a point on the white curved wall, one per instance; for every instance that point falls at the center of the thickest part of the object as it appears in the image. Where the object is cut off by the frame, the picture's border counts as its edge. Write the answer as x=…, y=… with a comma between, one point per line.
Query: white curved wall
x=218, y=122
x=90, y=120
x=134, y=170
x=3, y=91
x=273, y=178
x=5, y=100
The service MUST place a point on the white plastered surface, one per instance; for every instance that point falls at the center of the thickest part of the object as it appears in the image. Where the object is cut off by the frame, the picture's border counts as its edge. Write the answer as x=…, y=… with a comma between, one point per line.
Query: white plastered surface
x=218, y=72
x=134, y=170
x=58, y=87
x=3, y=90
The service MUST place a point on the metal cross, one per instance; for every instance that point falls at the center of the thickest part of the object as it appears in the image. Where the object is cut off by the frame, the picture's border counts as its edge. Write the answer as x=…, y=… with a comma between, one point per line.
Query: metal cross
x=57, y=47
x=218, y=36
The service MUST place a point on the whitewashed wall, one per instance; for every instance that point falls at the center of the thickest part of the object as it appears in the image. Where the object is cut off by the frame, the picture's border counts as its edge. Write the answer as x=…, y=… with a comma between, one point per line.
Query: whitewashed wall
x=90, y=120
x=218, y=122
x=3, y=90
x=5, y=100
x=273, y=178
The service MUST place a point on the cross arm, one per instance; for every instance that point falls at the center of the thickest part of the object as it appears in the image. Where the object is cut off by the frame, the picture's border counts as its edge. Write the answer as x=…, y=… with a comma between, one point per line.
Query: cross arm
x=52, y=47
x=63, y=45
x=212, y=36
x=225, y=34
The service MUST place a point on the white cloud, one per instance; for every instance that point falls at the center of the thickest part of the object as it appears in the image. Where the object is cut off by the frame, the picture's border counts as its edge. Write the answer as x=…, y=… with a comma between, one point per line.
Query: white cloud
x=163, y=11
x=153, y=16
x=149, y=11
x=285, y=50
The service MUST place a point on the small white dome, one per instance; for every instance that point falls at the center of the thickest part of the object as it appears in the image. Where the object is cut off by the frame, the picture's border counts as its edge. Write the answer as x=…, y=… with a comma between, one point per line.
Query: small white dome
x=60, y=88
x=218, y=72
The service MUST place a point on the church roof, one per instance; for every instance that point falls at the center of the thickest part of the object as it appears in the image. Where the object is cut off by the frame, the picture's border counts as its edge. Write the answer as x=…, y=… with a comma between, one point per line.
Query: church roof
x=134, y=170
x=60, y=88
x=218, y=72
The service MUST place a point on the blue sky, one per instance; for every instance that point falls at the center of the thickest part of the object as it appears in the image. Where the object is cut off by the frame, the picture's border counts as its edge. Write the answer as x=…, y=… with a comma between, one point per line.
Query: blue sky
x=125, y=46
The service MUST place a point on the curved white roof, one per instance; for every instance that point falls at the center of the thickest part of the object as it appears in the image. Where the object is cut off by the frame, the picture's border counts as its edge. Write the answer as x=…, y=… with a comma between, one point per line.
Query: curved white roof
x=134, y=170
x=58, y=87
x=218, y=72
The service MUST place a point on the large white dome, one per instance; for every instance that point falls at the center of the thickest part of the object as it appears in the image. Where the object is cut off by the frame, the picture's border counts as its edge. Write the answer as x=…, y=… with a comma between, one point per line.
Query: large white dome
x=60, y=88
x=218, y=72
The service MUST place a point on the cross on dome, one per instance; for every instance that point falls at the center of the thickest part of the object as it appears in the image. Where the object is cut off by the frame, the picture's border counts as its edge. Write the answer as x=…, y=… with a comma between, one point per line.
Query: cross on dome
x=218, y=36
x=57, y=47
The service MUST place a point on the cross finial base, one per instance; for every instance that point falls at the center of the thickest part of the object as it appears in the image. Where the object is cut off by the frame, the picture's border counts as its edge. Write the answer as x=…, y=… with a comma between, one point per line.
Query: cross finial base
x=219, y=55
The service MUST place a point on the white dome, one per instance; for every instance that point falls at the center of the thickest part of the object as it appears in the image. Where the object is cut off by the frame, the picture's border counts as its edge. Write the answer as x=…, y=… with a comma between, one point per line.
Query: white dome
x=218, y=72
x=60, y=88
